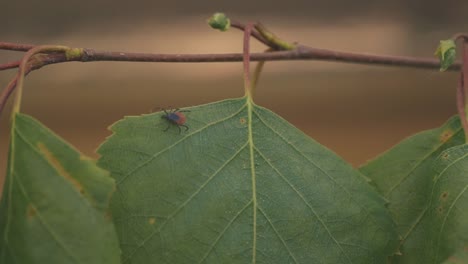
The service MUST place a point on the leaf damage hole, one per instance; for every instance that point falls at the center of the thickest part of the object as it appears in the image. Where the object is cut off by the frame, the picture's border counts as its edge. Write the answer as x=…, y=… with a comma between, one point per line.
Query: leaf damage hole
x=30, y=211
x=58, y=166
x=446, y=135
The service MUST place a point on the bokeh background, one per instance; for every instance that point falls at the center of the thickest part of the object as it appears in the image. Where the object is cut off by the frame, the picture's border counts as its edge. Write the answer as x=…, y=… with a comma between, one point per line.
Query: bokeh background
x=358, y=111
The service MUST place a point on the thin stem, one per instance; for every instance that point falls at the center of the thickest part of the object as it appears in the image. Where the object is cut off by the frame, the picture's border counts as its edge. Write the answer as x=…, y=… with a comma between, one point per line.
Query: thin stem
x=254, y=33
x=256, y=76
x=23, y=70
x=257, y=72
x=246, y=60
x=15, y=47
x=463, y=87
x=301, y=53
x=273, y=39
x=459, y=36
x=9, y=65
x=464, y=72
x=461, y=105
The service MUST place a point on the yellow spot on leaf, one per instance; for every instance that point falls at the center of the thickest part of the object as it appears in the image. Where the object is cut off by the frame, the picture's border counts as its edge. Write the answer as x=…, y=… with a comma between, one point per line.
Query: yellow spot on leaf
x=440, y=209
x=108, y=216
x=242, y=121
x=152, y=220
x=446, y=135
x=30, y=211
x=444, y=196
x=58, y=166
x=445, y=156
x=453, y=259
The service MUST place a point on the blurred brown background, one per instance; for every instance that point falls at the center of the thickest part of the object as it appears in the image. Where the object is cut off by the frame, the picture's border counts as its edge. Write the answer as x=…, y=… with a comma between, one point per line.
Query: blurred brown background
x=357, y=111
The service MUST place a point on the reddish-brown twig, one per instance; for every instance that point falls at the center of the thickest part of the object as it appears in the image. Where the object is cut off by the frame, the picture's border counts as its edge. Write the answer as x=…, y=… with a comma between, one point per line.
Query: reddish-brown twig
x=300, y=52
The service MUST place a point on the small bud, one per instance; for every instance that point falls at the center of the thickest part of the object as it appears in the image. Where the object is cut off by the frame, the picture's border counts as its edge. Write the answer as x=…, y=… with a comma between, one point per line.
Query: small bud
x=446, y=51
x=219, y=21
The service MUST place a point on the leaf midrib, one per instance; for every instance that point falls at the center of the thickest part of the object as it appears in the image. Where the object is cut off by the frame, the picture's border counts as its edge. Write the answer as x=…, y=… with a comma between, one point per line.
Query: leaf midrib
x=252, y=172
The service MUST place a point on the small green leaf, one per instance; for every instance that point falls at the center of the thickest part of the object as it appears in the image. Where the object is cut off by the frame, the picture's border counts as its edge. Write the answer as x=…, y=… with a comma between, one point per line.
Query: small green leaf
x=446, y=52
x=219, y=21
x=55, y=202
x=242, y=185
x=405, y=176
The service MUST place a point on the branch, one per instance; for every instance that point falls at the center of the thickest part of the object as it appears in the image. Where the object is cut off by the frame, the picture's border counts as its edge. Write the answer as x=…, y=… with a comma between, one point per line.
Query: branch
x=15, y=47
x=281, y=51
x=9, y=65
x=300, y=53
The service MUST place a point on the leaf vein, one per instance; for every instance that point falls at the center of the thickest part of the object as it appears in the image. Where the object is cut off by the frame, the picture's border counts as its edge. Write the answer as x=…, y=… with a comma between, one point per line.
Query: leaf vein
x=169, y=217
x=314, y=164
x=446, y=217
x=278, y=235
x=44, y=222
x=224, y=231
x=420, y=217
x=305, y=202
x=401, y=180
x=146, y=162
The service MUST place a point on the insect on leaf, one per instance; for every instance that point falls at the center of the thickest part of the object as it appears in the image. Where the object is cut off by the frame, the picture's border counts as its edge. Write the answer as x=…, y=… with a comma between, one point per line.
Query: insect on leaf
x=241, y=186
x=55, y=204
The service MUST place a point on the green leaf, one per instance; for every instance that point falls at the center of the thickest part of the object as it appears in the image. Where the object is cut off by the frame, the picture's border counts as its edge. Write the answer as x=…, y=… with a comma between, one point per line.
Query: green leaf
x=219, y=21
x=447, y=216
x=240, y=186
x=405, y=176
x=55, y=202
x=446, y=52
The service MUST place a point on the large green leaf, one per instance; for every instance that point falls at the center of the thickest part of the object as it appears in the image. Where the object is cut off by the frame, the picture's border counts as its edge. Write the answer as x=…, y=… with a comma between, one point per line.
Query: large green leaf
x=405, y=176
x=55, y=205
x=241, y=186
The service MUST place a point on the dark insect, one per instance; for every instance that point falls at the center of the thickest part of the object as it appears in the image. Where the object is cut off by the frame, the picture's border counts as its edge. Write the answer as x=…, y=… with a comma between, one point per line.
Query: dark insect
x=175, y=117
